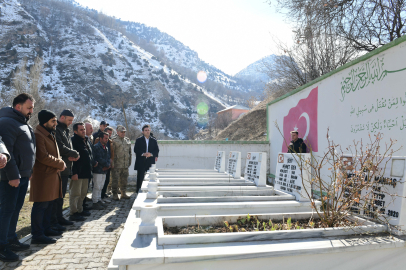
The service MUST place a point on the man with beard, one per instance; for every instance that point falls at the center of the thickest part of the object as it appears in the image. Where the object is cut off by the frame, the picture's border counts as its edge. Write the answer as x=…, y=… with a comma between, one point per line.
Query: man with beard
x=19, y=139
x=68, y=155
x=46, y=183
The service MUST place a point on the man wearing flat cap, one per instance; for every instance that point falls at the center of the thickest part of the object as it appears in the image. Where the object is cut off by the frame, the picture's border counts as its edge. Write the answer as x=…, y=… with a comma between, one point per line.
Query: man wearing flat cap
x=46, y=183
x=297, y=145
x=121, y=162
x=68, y=155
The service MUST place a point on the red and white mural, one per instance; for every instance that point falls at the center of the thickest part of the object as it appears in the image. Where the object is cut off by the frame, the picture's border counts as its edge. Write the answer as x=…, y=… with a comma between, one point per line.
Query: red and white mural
x=303, y=118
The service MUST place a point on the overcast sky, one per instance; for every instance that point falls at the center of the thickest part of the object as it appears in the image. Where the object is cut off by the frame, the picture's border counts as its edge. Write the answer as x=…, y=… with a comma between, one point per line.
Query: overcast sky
x=229, y=34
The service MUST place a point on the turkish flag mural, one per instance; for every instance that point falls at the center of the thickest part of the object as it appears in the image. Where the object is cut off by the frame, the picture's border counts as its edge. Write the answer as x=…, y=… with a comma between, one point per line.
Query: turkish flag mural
x=303, y=118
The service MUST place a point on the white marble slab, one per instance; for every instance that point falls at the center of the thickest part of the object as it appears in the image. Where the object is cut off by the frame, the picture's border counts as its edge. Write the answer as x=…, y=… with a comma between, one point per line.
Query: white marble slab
x=220, y=162
x=223, y=199
x=191, y=176
x=290, y=178
x=255, y=168
x=230, y=208
x=144, y=188
x=261, y=192
x=183, y=170
x=277, y=248
x=203, y=180
x=234, y=164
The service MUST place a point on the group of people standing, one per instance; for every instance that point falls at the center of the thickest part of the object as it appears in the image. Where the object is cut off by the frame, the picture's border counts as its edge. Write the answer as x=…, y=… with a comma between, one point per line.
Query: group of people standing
x=48, y=157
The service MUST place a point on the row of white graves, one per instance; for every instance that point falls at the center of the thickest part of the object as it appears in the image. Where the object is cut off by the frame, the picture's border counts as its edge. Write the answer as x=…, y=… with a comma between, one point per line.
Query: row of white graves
x=255, y=166
x=144, y=244
x=255, y=174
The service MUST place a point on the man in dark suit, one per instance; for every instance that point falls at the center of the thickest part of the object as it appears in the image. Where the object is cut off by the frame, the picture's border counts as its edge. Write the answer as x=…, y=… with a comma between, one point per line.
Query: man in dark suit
x=146, y=151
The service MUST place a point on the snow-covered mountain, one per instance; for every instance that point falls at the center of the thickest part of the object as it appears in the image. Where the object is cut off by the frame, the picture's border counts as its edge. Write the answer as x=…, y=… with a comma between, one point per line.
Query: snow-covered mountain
x=257, y=70
x=254, y=75
x=89, y=62
x=181, y=55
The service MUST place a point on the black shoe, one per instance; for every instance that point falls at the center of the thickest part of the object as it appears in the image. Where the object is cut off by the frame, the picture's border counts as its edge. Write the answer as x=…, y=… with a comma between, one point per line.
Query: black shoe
x=76, y=217
x=58, y=227
x=51, y=232
x=84, y=213
x=88, y=199
x=98, y=206
x=43, y=240
x=16, y=245
x=6, y=255
x=63, y=221
x=85, y=207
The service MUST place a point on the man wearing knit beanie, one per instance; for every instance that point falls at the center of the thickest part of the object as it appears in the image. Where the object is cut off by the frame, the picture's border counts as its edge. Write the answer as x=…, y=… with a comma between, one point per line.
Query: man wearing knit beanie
x=46, y=184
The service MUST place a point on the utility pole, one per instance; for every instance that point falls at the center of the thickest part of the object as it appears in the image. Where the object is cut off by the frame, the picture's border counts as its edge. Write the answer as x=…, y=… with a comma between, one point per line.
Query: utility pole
x=125, y=117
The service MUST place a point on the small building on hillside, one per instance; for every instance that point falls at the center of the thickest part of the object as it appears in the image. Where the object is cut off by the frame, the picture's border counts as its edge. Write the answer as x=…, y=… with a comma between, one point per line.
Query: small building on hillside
x=234, y=112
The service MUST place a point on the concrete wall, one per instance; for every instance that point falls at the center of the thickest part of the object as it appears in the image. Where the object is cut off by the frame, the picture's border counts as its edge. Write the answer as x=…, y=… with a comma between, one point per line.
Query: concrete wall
x=202, y=154
x=364, y=97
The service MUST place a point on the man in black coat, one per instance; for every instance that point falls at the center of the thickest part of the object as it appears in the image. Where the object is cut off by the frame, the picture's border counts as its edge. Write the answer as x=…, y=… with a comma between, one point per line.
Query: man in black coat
x=81, y=173
x=19, y=140
x=297, y=145
x=102, y=127
x=68, y=155
x=146, y=151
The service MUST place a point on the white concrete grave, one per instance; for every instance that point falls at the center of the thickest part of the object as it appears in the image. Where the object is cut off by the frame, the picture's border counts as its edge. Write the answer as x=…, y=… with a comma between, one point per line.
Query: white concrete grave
x=234, y=207
x=255, y=168
x=389, y=196
x=289, y=177
x=234, y=164
x=220, y=163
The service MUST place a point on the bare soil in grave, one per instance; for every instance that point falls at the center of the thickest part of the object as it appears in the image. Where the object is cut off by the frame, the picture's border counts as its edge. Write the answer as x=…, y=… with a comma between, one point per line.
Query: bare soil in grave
x=253, y=224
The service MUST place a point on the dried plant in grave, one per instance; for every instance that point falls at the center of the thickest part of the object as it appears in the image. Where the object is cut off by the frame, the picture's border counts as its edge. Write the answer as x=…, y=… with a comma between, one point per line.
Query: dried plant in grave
x=347, y=181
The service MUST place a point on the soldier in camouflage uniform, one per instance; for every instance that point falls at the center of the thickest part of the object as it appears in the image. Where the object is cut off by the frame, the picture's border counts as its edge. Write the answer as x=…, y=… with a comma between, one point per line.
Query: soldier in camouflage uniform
x=121, y=162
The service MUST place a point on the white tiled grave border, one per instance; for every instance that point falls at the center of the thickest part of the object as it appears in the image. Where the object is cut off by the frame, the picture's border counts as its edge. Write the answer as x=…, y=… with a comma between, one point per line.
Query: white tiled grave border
x=367, y=227
x=214, y=193
x=223, y=196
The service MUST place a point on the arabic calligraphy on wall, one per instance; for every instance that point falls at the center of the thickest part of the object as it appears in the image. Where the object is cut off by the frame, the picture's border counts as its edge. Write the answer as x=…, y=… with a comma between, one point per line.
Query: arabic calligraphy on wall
x=380, y=104
x=364, y=75
x=380, y=125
